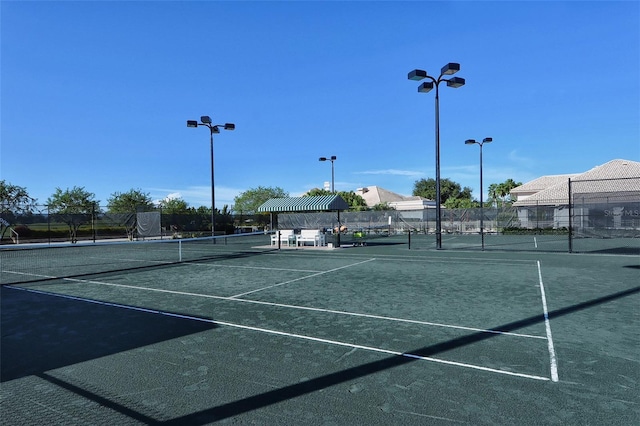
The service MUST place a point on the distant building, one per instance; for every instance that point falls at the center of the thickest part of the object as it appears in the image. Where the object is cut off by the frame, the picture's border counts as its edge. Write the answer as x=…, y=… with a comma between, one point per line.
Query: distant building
x=374, y=195
x=605, y=195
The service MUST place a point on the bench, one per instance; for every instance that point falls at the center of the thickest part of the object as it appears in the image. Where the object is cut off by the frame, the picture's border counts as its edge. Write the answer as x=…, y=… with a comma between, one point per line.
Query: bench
x=310, y=236
x=286, y=237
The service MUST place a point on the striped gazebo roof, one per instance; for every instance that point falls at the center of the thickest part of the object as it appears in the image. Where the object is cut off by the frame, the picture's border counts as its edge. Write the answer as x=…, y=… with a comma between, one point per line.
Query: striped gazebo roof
x=304, y=204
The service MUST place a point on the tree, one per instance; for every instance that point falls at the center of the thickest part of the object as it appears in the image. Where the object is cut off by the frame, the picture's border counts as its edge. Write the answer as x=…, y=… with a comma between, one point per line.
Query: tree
x=174, y=212
x=14, y=200
x=248, y=201
x=129, y=202
x=175, y=206
x=461, y=203
x=123, y=208
x=382, y=207
x=500, y=193
x=493, y=194
x=315, y=192
x=355, y=201
x=75, y=207
x=448, y=189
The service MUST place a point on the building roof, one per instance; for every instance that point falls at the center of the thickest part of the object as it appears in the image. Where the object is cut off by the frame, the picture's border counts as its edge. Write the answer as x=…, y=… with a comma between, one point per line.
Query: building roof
x=540, y=184
x=373, y=195
x=609, y=180
x=304, y=204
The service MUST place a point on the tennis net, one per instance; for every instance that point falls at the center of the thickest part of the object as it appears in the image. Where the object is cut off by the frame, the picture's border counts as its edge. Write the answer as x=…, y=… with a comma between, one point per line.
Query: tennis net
x=38, y=263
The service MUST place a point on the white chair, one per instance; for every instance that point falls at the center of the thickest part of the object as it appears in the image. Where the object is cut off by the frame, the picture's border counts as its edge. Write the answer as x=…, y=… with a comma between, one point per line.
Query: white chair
x=312, y=236
x=286, y=237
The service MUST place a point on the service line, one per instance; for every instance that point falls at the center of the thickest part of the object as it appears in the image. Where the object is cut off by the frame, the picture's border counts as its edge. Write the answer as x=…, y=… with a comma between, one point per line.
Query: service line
x=547, y=325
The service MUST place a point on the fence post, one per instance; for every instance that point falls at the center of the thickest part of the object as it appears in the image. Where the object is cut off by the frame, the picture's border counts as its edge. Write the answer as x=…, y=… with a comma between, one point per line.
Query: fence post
x=93, y=220
x=570, y=220
x=49, y=223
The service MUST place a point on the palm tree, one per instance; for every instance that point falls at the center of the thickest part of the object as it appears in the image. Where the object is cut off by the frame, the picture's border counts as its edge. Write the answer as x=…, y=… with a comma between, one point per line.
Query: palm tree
x=493, y=194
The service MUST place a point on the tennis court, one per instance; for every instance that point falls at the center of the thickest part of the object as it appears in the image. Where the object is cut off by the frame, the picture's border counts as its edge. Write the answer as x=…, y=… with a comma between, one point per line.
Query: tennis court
x=178, y=333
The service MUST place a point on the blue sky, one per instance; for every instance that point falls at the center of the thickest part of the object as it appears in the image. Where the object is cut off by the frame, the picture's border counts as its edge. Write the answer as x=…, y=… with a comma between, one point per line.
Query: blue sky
x=97, y=94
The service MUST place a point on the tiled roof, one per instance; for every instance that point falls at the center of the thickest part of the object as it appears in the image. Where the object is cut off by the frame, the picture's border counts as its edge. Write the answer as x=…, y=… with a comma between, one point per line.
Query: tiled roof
x=610, y=180
x=373, y=195
x=541, y=183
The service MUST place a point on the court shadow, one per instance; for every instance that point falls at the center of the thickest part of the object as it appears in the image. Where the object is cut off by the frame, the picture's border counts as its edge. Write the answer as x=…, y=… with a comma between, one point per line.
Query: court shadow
x=52, y=352
x=278, y=395
x=41, y=332
x=617, y=250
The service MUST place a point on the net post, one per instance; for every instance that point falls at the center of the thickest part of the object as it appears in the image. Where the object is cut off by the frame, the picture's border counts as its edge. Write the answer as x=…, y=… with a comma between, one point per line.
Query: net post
x=180, y=250
x=409, y=238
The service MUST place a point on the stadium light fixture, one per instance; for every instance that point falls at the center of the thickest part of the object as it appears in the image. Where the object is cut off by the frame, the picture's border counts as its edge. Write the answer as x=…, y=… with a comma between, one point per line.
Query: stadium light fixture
x=455, y=82
x=473, y=142
x=205, y=120
x=332, y=159
x=417, y=75
x=450, y=68
x=333, y=191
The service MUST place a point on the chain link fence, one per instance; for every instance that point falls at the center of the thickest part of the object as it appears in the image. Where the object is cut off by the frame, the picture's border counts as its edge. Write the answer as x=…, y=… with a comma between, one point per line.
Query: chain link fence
x=37, y=224
x=585, y=216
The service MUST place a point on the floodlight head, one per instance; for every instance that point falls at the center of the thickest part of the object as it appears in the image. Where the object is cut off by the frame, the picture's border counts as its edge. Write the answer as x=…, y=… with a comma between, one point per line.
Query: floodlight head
x=215, y=129
x=450, y=68
x=487, y=140
x=417, y=75
x=470, y=141
x=205, y=119
x=322, y=159
x=333, y=157
x=192, y=123
x=455, y=82
x=425, y=87
x=229, y=126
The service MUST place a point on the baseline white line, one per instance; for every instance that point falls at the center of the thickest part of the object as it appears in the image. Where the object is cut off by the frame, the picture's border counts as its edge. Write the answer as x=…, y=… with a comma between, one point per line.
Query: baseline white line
x=547, y=325
x=404, y=258
x=297, y=336
x=301, y=278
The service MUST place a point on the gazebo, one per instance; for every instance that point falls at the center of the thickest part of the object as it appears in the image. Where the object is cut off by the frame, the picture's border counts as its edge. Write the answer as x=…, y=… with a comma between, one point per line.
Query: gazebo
x=319, y=203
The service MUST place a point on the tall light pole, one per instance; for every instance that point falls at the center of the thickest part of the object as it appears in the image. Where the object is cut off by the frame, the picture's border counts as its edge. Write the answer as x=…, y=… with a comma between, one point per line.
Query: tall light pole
x=333, y=191
x=471, y=142
x=205, y=120
x=332, y=159
x=455, y=82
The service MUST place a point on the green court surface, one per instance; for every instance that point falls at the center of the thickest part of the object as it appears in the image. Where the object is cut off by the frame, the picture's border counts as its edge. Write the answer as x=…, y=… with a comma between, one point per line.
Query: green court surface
x=369, y=335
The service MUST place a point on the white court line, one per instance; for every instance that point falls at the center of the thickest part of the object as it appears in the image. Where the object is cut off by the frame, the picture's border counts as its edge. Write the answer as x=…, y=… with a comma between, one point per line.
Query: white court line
x=404, y=258
x=302, y=278
x=547, y=325
x=304, y=308
x=535, y=242
x=298, y=336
